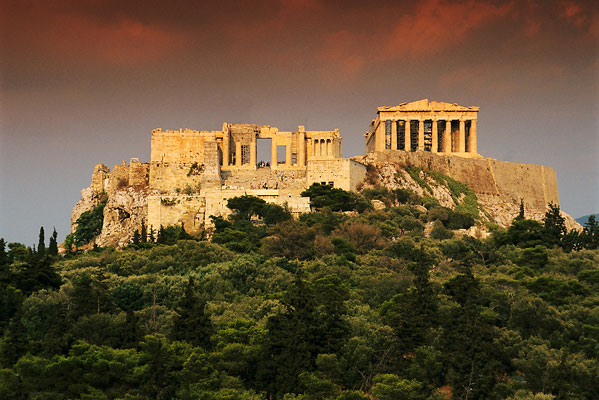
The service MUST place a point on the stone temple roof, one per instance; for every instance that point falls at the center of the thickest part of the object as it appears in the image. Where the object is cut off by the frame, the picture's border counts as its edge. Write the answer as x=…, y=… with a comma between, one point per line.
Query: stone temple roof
x=425, y=105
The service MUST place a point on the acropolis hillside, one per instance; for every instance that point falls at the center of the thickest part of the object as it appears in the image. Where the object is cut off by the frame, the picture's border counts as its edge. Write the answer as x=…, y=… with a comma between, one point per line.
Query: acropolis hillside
x=192, y=173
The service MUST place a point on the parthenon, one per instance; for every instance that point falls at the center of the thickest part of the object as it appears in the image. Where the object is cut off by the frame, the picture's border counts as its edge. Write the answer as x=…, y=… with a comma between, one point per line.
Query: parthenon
x=434, y=127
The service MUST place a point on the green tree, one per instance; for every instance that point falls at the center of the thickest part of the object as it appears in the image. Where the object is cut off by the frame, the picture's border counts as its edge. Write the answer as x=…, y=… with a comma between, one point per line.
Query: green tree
x=391, y=387
x=89, y=224
x=292, y=343
x=192, y=324
x=290, y=239
x=330, y=295
x=244, y=207
x=554, y=226
x=522, y=233
x=274, y=214
x=520, y=215
x=41, y=246
x=591, y=233
x=468, y=347
x=136, y=240
x=143, y=234
x=53, y=245
x=3, y=254
x=334, y=198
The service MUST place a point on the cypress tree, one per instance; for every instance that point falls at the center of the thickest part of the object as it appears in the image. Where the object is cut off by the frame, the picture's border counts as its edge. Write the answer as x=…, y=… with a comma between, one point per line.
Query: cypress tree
x=554, y=225
x=161, y=238
x=521, y=213
x=53, y=245
x=136, y=240
x=3, y=254
x=192, y=324
x=144, y=232
x=41, y=246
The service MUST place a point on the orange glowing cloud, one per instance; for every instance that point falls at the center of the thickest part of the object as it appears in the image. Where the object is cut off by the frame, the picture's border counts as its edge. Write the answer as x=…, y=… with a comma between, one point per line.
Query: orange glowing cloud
x=433, y=26
x=439, y=24
x=125, y=42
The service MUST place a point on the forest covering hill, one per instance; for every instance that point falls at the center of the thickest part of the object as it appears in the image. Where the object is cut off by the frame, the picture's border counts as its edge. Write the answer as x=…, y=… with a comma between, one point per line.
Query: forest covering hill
x=346, y=303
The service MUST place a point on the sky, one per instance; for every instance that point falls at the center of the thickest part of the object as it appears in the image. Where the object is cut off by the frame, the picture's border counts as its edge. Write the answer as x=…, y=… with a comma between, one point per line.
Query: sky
x=85, y=81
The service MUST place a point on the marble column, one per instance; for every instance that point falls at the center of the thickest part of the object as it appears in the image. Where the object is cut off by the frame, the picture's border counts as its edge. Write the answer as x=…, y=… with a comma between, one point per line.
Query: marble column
x=226, y=140
x=253, y=160
x=380, y=136
x=393, y=135
x=421, y=135
x=301, y=153
x=435, y=136
x=472, y=141
x=447, y=137
x=288, y=151
x=407, y=136
x=462, y=136
x=273, y=153
x=238, y=154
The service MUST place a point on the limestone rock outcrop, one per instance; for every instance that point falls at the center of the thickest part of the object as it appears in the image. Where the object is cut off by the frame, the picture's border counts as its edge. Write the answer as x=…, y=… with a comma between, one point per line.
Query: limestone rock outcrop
x=498, y=185
x=123, y=214
x=126, y=193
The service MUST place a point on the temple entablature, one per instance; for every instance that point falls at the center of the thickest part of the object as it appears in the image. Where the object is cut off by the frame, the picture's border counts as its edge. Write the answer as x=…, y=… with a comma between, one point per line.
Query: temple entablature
x=435, y=127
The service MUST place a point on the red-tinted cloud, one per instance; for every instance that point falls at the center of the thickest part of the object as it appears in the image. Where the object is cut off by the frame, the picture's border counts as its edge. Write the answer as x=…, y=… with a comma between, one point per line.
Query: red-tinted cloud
x=337, y=41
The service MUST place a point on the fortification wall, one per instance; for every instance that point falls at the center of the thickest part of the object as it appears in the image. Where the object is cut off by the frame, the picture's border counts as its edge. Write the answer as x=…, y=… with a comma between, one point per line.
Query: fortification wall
x=100, y=178
x=168, y=178
x=139, y=173
x=536, y=185
x=194, y=211
x=343, y=172
x=175, y=210
x=182, y=146
x=119, y=177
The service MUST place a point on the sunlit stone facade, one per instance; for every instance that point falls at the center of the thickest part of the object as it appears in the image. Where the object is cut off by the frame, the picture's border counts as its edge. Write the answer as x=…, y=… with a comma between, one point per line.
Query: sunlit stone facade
x=419, y=126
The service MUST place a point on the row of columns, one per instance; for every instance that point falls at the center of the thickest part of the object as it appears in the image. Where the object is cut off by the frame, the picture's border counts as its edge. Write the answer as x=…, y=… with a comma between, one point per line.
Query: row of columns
x=445, y=145
x=300, y=158
x=323, y=147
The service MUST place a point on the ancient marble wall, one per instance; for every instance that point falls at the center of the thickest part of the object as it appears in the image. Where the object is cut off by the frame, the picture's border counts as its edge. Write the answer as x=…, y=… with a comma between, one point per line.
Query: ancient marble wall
x=342, y=172
x=182, y=146
x=535, y=184
x=173, y=210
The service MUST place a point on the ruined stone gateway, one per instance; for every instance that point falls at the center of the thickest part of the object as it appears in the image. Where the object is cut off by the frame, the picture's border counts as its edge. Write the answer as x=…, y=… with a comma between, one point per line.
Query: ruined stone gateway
x=192, y=173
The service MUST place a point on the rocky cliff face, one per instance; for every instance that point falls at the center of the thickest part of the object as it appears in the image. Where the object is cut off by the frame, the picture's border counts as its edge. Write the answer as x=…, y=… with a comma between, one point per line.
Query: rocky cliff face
x=499, y=187
x=498, y=205
x=126, y=206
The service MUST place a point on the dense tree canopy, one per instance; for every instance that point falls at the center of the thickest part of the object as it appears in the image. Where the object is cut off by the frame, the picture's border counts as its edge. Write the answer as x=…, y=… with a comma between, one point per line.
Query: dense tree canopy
x=331, y=306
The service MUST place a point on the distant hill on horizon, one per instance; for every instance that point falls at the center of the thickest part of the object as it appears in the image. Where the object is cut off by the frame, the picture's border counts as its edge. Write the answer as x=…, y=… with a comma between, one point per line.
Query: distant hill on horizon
x=582, y=220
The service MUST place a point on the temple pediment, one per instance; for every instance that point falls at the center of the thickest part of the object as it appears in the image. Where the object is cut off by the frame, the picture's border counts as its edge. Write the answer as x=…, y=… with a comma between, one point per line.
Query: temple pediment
x=425, y=105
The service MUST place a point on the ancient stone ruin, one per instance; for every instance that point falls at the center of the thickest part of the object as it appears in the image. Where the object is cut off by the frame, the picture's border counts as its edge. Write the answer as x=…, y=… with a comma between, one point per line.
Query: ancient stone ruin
x=192, y=173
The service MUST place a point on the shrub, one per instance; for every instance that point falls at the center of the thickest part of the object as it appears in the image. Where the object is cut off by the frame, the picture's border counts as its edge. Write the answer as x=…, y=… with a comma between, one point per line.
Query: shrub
x=440, y=232
x=406, y=196
x=244, y=207
x=459, y=220
x=326, y=220
x=89, y=224
x=362, y=236
x=334, y=198
x=379, y=193
x=290, y=239
x=273, y=214
x=121, y=183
